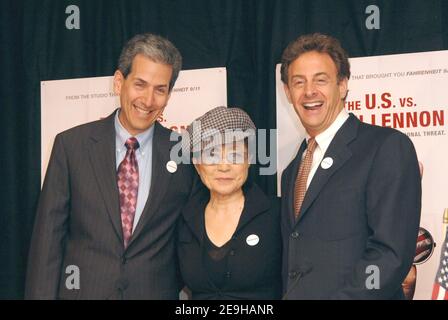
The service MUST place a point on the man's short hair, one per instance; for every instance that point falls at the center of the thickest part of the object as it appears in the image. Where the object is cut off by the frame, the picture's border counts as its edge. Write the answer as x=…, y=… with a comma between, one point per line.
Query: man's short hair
x=320, y=43
x=154, y=47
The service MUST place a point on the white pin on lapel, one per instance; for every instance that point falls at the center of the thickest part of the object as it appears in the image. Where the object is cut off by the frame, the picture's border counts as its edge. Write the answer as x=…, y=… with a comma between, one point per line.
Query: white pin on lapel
x=252, y=240
x=171, y=166
x=326, y=163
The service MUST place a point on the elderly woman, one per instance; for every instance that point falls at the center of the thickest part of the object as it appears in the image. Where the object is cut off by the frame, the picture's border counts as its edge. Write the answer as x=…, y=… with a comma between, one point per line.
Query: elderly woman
x=229, y=242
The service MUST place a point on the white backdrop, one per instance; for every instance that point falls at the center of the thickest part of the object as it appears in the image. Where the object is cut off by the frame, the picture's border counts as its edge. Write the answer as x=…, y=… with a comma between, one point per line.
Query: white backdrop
x=68, y=103
x=411, y=94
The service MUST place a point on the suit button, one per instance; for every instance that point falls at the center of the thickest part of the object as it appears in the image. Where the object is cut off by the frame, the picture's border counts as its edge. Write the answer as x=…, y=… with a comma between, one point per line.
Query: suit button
x=292, y=274
x=232, y=252
x=228, y=274
x=295, y=235
x=122, y=284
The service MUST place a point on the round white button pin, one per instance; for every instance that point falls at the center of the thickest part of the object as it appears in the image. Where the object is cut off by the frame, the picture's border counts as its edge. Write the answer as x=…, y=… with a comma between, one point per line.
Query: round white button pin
x=252, y=240
x=326, y=163
x=171, y=166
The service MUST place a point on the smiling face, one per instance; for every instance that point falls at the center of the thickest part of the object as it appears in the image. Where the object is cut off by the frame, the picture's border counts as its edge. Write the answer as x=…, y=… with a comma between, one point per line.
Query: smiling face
x=225, y=170
x=144, y=93
x=314, y=90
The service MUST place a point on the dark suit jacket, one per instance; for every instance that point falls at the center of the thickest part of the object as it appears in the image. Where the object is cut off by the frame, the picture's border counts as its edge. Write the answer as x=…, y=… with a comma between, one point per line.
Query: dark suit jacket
x=78, y=222
x=254, y=272
x=363, y=211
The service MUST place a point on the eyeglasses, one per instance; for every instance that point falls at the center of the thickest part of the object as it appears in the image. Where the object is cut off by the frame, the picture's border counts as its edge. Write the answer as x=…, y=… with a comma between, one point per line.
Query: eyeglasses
x=216, y=158
x=217, y=155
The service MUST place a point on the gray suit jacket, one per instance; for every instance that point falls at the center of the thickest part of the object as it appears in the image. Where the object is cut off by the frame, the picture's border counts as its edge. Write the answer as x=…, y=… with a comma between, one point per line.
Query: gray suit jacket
x=78, y=222
x=360, y=214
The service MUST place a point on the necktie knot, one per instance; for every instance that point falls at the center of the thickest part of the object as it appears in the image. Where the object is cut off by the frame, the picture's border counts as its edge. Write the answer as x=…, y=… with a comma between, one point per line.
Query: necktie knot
x=312, y=144
x=132, y=144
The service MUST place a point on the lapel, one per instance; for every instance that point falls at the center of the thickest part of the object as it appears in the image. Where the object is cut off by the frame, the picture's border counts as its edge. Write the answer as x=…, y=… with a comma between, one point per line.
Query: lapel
x=340, y=153
x=194, y=217
x=291, y=180
x=101, y=150
x=160, y=177
x=194, y=213
x=255, y=203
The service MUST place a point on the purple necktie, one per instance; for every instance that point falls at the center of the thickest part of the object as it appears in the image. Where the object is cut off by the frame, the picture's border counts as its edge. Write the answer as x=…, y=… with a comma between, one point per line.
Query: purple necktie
x=127, y=180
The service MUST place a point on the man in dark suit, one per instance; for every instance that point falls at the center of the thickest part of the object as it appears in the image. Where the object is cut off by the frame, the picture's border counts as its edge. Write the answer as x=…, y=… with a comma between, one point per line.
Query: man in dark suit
x=106, y=216
x=351, y=198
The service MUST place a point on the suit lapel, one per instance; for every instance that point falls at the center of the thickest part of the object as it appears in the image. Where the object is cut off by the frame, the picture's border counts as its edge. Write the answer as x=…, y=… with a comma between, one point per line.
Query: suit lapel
x=255, y=203
x=160, y=177
x=102, y=157
x=194, y=213
x=340, y=153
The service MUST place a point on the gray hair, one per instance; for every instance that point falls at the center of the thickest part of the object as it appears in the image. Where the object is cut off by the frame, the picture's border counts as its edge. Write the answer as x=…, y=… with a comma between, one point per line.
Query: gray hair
x=154, y=47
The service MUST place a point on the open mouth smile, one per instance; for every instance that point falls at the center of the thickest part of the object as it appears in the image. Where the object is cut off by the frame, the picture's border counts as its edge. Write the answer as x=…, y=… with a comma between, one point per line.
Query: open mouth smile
x=313, y=105
x=142, y=110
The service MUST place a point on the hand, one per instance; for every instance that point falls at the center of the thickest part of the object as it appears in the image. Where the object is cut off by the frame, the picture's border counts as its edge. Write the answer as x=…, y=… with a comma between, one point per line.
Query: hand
x=408, y=284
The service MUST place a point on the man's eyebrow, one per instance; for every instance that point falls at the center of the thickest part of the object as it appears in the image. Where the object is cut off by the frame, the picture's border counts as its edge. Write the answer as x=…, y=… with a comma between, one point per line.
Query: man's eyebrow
x=314, y=75
x=140, y=80
x=297, y=76
x=163, y=85
x=321, y=74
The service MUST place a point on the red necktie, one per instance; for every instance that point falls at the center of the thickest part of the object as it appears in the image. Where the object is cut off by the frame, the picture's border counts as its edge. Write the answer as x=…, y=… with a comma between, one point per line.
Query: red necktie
x=302, y=176
x=127, y=180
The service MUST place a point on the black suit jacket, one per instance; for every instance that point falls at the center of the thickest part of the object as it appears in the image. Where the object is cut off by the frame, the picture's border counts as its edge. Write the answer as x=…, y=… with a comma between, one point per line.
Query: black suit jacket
x=254, y=272
x=362, y=212
x=78, y=222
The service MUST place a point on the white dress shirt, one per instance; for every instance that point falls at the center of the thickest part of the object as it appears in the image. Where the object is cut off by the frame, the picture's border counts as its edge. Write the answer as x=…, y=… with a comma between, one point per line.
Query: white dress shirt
x=323, y=140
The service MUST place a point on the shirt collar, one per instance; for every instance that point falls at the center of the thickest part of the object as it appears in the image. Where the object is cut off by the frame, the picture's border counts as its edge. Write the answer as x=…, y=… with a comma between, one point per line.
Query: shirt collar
x=122, y=135
x=324, y=138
